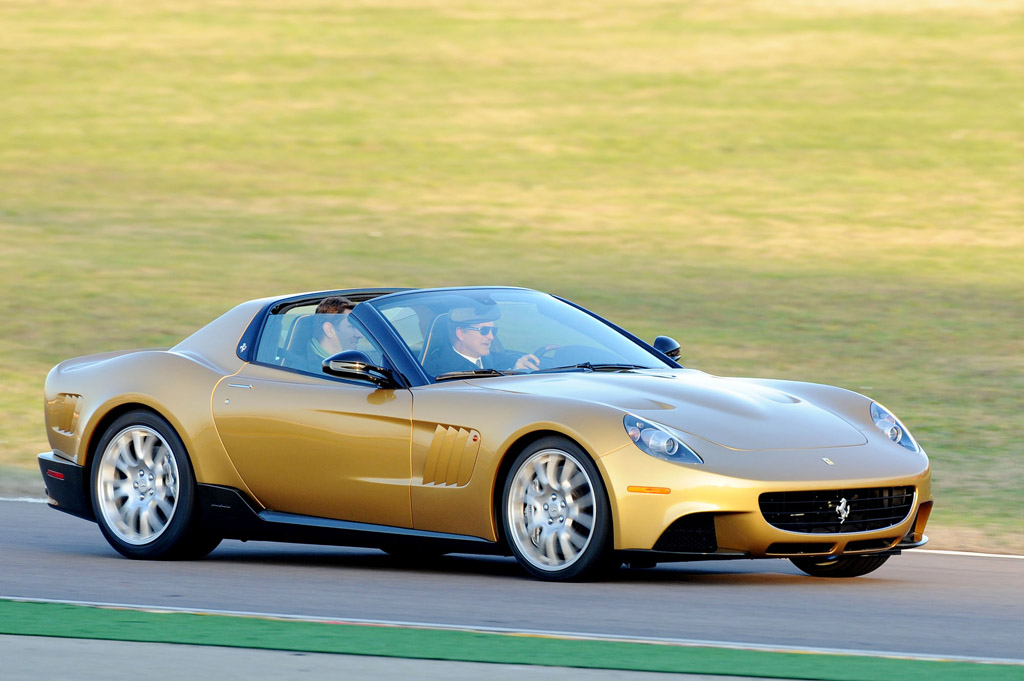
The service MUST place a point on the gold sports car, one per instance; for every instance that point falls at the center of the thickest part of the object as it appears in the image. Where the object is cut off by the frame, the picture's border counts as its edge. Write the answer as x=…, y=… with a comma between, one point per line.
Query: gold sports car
x=403, y=420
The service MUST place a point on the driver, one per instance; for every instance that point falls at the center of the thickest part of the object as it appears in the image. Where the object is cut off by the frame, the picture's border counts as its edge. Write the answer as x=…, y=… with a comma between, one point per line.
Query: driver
x=472, y=332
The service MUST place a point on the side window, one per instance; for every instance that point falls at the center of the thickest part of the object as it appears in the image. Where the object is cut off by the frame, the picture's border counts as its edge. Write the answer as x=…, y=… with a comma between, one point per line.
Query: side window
x=364, y=344
x=408, y=324
x=283, y=335
x=300, y=339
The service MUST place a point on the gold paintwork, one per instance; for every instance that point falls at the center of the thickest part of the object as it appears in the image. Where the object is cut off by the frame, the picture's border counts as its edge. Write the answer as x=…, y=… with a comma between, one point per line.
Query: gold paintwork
x=304, y=446
x=430, y=457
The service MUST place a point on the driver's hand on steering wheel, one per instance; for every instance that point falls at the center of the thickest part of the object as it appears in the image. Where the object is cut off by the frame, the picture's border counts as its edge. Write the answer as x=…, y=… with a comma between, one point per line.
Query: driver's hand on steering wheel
x=528, y=363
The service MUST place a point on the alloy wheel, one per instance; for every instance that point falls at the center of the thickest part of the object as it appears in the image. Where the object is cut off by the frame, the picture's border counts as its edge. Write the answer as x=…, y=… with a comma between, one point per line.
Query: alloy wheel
x=551, y=510
x=137, y=485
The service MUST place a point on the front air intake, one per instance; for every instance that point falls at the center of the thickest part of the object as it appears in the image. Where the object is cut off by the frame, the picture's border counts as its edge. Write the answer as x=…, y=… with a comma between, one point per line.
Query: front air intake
x=694, y=533
x=839, y=511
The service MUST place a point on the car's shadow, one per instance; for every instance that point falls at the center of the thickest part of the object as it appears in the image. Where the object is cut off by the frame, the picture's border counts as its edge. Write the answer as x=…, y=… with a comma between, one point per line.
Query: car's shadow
x=710, y=573
x=360, y=559
x=251, y=555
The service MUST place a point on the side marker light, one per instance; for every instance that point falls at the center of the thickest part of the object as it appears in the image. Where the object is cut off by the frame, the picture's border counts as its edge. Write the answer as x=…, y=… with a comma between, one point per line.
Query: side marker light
x=56, y=475
x=648, y=490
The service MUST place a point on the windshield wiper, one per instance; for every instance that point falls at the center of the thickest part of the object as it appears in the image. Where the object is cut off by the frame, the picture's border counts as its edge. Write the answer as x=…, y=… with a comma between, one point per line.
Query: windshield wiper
x=587, y=366
x=475, y=373
x=582, y=366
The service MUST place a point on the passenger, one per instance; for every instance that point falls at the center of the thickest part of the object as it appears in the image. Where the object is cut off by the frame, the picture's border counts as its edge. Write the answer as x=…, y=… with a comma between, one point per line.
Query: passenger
x=472, y=332
x=335, y=333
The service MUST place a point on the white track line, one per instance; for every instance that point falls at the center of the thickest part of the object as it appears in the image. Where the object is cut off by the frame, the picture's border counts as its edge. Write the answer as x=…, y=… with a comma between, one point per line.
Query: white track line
x=970, y=554
x=568, y=635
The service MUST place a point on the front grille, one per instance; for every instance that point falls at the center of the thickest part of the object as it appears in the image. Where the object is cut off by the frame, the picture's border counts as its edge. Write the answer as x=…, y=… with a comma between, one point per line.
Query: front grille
x=822, y=511
x=694, y=533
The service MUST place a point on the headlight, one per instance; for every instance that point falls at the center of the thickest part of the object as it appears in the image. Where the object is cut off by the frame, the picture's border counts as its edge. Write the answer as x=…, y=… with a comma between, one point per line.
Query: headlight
x=658, y=441
x=891, y=426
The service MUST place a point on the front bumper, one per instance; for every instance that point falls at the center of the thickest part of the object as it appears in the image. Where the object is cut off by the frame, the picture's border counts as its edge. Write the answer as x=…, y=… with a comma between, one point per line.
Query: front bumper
x=66, y=488
x=700, y=513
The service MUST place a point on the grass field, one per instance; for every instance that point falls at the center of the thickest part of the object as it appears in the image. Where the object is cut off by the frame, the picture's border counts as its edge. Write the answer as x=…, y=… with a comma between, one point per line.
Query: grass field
x=826, y=190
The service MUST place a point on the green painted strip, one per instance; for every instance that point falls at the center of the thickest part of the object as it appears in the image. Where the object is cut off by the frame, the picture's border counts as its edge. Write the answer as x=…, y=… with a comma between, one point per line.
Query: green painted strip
x=76, y=621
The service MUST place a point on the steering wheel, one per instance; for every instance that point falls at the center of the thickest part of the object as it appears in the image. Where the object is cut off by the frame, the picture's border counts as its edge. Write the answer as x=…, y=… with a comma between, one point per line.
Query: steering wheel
x=542, y=353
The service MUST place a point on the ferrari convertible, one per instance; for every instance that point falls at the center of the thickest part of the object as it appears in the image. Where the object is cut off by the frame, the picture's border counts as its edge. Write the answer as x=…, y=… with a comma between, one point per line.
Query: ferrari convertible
x=472, y=420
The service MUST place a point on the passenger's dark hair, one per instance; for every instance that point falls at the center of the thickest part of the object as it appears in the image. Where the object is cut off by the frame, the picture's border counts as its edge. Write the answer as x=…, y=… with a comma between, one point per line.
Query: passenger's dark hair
x=335, y=305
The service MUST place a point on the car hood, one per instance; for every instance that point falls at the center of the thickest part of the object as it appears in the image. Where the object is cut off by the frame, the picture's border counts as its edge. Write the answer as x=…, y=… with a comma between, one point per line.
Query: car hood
x=731, y=412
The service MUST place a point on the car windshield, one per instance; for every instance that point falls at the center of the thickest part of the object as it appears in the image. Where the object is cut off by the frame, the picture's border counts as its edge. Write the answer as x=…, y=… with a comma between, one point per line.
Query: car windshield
x=491, y=332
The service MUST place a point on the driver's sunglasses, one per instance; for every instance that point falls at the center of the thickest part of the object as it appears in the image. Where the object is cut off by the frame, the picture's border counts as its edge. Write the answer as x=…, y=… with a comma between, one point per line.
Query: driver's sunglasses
x=484, y=330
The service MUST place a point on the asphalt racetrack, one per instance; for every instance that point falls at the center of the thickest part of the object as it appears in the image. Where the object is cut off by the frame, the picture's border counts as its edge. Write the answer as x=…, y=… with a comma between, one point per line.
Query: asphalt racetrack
x=929, y=604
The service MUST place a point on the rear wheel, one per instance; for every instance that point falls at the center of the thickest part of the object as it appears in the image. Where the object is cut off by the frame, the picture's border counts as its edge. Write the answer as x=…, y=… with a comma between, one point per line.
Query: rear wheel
x=143, y=491
x=555, y=512
x=840, y=566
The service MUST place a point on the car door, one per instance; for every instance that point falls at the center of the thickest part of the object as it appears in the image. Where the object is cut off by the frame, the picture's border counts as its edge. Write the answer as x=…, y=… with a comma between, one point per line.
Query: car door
x=318, y=446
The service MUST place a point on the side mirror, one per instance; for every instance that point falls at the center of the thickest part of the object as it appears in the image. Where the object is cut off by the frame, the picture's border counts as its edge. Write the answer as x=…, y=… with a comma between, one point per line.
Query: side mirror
x=668, y=346
x=356, y=365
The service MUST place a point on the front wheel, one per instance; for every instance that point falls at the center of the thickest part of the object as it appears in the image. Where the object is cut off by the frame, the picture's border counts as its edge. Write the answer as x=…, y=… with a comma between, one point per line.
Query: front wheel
x=143, y=491
x=555, y=511
x=840, y=566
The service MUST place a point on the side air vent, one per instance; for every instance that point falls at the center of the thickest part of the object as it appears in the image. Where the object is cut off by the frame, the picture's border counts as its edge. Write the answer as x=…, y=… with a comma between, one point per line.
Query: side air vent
x=64, y=412
x=452, y=456
x=694, y=533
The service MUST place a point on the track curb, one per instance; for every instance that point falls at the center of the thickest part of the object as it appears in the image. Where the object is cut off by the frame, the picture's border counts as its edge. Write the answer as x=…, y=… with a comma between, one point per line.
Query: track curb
x=162, y=625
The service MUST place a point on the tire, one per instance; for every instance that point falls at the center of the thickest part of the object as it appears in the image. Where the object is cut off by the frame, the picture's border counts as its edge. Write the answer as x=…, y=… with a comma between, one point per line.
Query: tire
x=143, y=491
x=840, y=566
x=555, y=514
